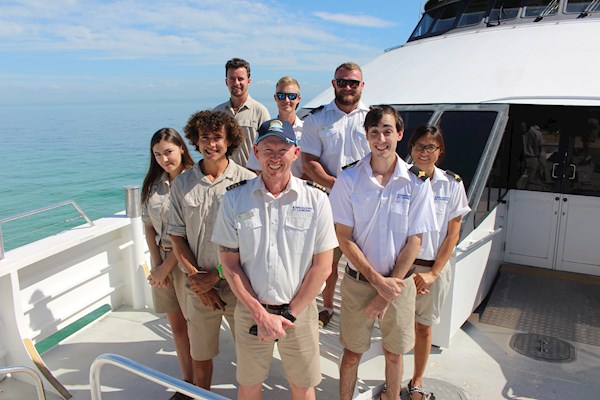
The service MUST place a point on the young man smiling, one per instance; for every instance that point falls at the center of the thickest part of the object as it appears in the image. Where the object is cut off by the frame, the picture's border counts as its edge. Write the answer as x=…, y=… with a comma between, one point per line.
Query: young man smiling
x=381, y=209
x=248, y=113
x=195, y=199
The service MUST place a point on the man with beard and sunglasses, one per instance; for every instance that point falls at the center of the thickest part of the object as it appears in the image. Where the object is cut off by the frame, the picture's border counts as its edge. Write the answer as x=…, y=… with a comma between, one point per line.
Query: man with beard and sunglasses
x=333, y=136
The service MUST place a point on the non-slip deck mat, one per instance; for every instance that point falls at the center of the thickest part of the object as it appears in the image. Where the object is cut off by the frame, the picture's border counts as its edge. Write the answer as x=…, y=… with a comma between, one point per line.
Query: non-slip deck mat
x=558, y=304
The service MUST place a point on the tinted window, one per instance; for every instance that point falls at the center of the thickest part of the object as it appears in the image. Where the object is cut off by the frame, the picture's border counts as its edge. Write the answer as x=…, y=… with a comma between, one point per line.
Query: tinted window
x=446, y=18
x=536, y=7
x=424, y=25
x=465, y=141
x=577, y=6
x=504, y=9
x=474, y=13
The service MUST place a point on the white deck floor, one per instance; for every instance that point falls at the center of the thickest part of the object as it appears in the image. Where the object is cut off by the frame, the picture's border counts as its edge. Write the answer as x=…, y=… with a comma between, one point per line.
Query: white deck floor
x=479, y=361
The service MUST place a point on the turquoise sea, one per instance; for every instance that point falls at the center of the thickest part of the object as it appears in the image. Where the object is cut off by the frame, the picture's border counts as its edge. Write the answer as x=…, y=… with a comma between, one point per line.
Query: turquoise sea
x=84, y=152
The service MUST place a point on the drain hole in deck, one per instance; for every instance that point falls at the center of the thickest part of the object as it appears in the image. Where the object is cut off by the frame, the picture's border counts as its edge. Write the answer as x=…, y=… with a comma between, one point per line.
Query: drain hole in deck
x=544, y=348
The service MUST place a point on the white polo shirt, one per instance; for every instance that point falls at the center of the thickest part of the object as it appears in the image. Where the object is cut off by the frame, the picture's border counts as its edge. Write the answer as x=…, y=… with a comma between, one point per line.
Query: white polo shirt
x=450, y=201
x=382, y=217
x=276, y=237
x=296, y=166
x=337, y=138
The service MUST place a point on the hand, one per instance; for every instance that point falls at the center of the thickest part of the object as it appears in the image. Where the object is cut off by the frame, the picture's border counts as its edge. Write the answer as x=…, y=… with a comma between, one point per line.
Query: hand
x=273, y=327
x=376, y=308
x=389, y=288
x=203, y=281
x=212, y=299
x=158, y=277
x=423, y=280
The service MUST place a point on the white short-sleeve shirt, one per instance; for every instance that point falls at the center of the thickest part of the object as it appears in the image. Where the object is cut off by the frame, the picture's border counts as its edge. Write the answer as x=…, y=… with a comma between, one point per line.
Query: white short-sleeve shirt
x=276, y=237
x=382, y=217
x=450, y=201
x=296, y=166
x=337, y=138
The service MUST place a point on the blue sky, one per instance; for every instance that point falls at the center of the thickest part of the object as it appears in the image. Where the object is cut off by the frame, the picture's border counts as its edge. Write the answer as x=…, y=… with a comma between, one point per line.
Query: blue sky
x=72, y=51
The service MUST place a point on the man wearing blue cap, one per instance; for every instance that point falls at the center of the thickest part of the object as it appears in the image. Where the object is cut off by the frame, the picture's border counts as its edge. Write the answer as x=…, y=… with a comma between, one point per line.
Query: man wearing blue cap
x=277, y=238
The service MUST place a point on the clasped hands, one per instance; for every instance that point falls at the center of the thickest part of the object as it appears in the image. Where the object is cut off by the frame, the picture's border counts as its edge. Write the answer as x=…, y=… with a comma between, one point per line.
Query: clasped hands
x=202, y=284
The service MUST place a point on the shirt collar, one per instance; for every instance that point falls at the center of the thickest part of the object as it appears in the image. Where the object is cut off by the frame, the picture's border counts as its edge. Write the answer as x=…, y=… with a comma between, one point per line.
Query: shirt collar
x=244, y=105
x=400, y=171
x=259, y=184
x=439, y=175
x=333, y=107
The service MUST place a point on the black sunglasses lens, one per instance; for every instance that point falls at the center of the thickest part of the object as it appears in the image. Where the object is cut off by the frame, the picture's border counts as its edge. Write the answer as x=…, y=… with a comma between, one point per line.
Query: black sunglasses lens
x=347, y=82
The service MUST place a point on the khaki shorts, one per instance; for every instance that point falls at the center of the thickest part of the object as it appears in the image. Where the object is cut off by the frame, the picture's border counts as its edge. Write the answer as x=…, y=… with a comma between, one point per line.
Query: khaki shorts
x=397, y=326
x=173, y=297
x=428, y=307
x=299, y=350
x=204, y=324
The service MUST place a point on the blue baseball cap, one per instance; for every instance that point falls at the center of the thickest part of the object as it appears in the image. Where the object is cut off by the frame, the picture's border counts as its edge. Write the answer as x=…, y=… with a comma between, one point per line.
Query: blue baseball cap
x=277, y=127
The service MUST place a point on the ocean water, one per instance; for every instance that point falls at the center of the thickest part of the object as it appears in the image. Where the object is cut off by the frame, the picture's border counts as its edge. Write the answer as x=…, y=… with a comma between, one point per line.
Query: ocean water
x=84, y=152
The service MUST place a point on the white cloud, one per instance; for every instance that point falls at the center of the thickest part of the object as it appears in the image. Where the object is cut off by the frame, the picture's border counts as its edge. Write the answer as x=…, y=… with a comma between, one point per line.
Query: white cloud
x=355, y=19
x=192, y=31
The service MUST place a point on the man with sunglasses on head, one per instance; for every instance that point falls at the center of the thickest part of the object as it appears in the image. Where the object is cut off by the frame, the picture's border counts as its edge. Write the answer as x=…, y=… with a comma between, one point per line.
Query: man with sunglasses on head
x=287, y=97
x=333, y=137
x=248, y=113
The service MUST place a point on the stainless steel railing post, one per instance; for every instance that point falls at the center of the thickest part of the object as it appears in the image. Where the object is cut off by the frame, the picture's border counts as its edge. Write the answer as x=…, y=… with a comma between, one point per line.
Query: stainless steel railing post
x=133, y=209
x=39, y=385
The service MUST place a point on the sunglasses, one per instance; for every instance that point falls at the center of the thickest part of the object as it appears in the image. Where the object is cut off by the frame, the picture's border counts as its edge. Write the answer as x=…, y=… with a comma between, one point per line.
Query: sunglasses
x=342, y=83
x=282, y=96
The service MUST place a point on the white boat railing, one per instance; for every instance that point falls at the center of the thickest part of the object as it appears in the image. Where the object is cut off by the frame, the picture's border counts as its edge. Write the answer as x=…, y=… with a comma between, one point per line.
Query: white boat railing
x=29, y=371
x=146, y=373
x=37, y=211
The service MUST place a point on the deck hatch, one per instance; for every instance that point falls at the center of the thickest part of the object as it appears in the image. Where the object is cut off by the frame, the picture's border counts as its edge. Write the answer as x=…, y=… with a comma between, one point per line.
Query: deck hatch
x=544, y=348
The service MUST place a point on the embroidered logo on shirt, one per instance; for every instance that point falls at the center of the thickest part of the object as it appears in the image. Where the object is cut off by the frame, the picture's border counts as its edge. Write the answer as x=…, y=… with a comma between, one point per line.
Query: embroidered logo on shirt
x=441, y=198
x=245, y=216
x=301, y=209
x=403, y=197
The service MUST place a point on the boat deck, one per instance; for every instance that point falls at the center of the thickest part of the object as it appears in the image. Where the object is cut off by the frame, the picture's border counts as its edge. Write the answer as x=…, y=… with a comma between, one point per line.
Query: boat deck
x=479, y=361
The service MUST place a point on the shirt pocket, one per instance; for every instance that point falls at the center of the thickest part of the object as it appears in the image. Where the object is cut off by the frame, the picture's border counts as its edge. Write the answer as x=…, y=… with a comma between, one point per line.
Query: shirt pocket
x=296, y=231
x=248, y=123
x=249, y=233
x=440, y=206
x=331, y=139
x=363, y=204
x=399, y=217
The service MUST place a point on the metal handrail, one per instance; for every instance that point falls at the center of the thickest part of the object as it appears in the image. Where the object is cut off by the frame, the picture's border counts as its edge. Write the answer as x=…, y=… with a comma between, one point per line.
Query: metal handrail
x=146, y=373
x=37, y=211
x=39, y=385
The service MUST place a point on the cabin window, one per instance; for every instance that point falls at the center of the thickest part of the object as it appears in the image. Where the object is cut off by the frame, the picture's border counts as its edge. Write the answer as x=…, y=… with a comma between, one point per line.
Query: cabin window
x=474, y=13
x=424, y=25
x=412, y=120
x=503, y=10
x=446, y=18
x=533, y=8
x=465, y=142
x=579, y=6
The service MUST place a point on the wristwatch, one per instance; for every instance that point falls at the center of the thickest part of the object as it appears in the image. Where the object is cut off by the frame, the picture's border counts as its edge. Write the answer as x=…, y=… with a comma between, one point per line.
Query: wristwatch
x=285, y=313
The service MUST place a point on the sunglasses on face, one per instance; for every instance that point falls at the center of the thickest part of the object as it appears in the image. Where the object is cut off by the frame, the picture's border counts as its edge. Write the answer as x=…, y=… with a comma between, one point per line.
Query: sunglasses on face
x=430, y=148
x=282, y=96
x=342, y=83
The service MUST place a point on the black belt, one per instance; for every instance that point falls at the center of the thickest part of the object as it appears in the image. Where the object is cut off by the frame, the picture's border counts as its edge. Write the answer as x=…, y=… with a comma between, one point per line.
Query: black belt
x=271, y=309
x=424, y=263
x=360, y=277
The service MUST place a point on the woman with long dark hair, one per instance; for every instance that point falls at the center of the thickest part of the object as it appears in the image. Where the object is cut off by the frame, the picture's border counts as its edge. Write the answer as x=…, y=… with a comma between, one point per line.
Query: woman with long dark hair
x=169, y=157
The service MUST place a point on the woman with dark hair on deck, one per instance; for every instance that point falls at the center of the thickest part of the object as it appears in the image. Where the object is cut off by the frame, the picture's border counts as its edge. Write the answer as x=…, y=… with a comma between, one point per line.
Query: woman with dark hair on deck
x=433, y=271
x=169, y=157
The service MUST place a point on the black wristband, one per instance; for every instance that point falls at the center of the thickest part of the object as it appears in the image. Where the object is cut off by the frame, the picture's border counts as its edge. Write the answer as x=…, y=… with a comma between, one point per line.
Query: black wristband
x=287, y=315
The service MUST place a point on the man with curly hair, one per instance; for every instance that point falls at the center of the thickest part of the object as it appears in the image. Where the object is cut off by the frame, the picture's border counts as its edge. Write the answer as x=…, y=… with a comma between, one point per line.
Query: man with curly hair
x=195, y=200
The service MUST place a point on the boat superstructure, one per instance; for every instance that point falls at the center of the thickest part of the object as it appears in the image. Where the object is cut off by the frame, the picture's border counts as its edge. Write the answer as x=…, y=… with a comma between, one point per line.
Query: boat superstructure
x=489, y=73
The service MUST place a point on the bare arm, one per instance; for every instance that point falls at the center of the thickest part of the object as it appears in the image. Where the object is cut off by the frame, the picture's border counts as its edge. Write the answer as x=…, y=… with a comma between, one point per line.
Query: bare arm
x=313, y=281
x=159, y=274
x=424, y=279
x=407, y=256
x=387, y=288
x=184, y=254
x=315, y=171
x=150, y=234
x=270, y=326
